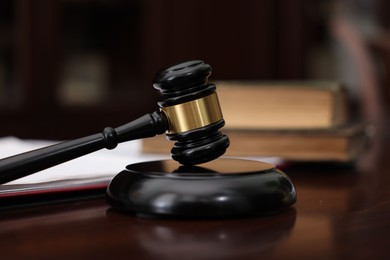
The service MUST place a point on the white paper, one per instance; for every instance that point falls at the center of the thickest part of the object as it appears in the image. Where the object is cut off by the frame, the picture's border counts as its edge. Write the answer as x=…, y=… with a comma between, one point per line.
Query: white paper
x=101, y=163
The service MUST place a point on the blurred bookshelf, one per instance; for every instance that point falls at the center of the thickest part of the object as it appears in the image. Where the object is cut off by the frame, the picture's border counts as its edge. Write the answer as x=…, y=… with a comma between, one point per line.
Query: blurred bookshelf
x=71, y=67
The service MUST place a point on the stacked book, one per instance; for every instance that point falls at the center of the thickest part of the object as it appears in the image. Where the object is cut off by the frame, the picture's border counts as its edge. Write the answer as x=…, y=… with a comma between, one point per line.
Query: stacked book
x=297, y=121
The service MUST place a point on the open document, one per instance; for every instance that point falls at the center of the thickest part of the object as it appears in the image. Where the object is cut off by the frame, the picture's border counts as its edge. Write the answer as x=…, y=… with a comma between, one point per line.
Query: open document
x=91, y=171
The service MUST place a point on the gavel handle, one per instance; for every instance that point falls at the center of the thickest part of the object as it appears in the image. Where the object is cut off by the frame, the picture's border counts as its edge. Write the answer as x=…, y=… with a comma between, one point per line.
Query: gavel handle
x=24, y=164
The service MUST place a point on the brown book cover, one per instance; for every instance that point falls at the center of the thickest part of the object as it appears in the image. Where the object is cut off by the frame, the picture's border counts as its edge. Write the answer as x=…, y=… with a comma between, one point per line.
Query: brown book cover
x=283, y=105
x=340, y=144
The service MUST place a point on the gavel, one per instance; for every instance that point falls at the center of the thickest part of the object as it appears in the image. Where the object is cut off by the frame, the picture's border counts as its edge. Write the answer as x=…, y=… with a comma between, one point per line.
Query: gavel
x=189, y=113
x=193, y=184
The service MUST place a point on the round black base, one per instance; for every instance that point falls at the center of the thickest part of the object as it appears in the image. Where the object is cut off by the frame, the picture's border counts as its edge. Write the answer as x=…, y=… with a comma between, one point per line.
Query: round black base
x=221, y=188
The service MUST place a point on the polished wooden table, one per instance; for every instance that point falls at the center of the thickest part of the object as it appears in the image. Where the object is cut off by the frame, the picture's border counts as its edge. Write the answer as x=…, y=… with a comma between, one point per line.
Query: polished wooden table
x=341, y=213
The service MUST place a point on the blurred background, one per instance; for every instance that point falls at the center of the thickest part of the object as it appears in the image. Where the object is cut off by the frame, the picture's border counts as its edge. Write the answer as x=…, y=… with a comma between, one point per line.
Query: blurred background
x=69, y=68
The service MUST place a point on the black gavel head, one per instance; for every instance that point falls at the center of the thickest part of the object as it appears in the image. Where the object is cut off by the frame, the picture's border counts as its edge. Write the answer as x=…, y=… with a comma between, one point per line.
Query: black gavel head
x=192, y=109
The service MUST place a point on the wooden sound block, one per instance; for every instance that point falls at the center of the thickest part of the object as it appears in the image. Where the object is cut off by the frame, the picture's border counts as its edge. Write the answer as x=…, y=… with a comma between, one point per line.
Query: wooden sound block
x=220, y=188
